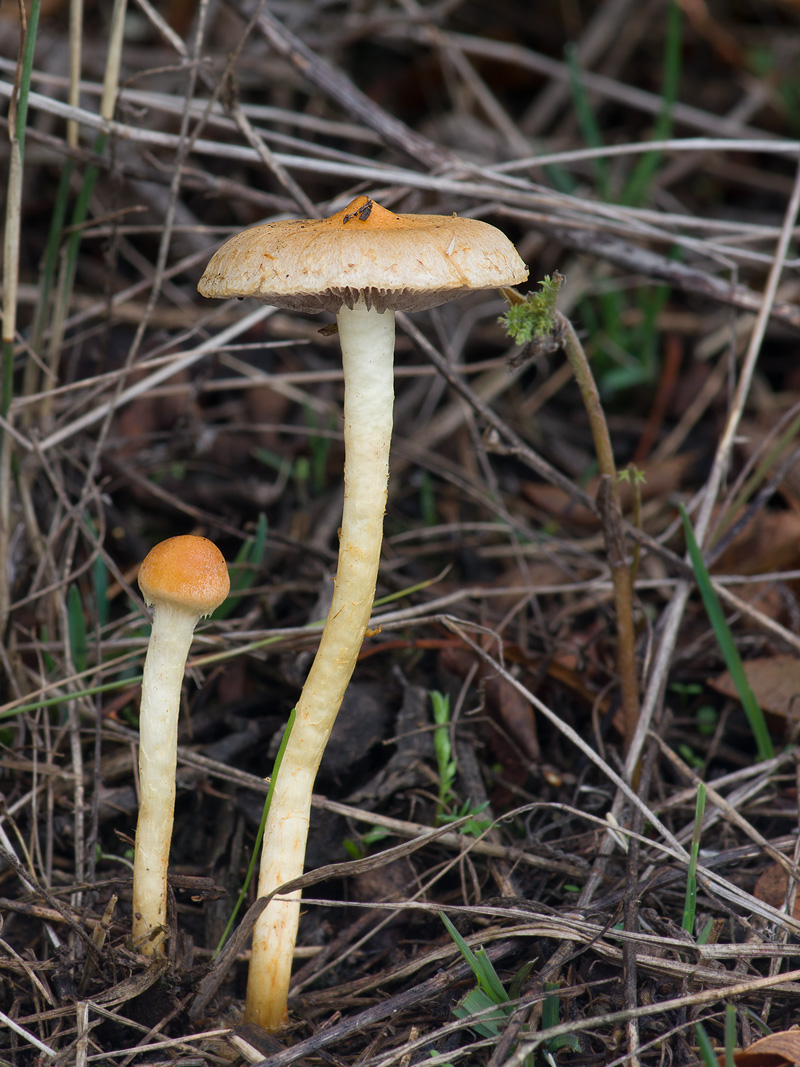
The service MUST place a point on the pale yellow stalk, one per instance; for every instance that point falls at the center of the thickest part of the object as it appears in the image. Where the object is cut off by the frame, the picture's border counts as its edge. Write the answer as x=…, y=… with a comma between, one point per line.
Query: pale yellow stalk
x=367, y=340
x=170, y=640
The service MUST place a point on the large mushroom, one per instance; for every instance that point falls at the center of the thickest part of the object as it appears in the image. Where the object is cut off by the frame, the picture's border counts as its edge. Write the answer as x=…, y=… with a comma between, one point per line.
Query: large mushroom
x=363, y=264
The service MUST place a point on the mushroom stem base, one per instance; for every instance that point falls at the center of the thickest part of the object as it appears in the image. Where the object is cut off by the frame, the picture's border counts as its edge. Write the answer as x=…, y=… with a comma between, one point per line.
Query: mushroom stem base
x=367, y=340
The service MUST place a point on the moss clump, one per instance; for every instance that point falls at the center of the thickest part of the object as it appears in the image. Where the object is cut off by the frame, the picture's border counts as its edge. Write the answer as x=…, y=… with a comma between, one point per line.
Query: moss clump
x=533, y=316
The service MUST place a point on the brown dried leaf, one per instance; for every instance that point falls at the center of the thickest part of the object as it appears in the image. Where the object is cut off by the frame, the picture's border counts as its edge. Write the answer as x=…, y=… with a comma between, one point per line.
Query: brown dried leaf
x=503, y=701
x=660, y=480
x=771, y=542
x=757, y=437
x=774, y=1050
x=771, y=888
x=775, y=681
x=516, y=714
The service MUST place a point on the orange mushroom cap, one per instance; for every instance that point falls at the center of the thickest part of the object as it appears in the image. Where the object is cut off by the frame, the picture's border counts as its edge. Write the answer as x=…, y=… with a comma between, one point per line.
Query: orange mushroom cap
x=363, y=253
x=188, y=573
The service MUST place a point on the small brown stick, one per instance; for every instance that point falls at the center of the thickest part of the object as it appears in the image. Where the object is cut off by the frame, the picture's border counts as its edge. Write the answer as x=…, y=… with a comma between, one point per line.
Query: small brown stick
x=420, y=994
x=671, y=620
x=517, y=446
x=657, y=267
x=673, y=359
x=629, y=954
x=226, y=91
x=338, y=86
x=614, y=537
x=611, y=512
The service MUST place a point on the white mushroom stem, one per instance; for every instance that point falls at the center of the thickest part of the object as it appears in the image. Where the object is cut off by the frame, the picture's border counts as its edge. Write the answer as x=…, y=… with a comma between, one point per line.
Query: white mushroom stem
x=164, y=665
x=367, y=341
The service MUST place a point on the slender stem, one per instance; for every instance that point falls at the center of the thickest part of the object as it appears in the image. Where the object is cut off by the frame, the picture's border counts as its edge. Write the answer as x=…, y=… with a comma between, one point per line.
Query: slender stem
x=170, y=640
x=573, y=349
x=17, y=121
x=367, y=339
x=612, y=528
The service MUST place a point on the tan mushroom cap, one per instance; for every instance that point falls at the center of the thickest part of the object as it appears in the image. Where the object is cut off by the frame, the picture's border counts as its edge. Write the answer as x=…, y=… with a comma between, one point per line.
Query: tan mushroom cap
x=188, y=573
x=364, y=252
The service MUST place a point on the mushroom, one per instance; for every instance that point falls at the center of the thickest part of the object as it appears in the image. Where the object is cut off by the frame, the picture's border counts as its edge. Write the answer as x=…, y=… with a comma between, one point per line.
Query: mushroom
x=363, y=264
x=182, y=579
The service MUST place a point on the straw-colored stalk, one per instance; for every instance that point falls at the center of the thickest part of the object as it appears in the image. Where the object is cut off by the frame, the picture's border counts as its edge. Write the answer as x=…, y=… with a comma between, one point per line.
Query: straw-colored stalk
x=367, y=340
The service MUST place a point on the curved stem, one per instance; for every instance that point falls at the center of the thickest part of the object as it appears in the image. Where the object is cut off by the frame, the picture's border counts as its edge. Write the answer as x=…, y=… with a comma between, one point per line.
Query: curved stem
x=367, y=340
x=164, y=665
x=611, y=512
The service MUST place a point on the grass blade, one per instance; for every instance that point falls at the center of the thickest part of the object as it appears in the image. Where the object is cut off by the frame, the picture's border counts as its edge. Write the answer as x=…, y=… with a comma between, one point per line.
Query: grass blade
x=259, y=836
x=690, y=905
x=730, y=1035
x=706, y=1048
x=480, y=963
x=730, y=653
x=637, y=188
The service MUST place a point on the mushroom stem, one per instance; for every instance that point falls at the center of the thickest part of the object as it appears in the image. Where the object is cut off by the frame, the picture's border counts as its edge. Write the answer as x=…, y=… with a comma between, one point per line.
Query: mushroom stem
x=170, y=640
x=182, y=579
x=367, y=341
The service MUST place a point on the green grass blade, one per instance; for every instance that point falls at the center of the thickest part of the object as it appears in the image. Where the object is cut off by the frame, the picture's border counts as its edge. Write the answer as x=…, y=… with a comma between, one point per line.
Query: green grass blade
x=80, y=211
x=590, y=129
x=703, y=936
x=260, y=835
x=757, y=1021
x=730, y=653
x=637, y=188
x=76, y=623
x=521, y=977
x=730, y=1035
x=62, y=698
x=481, y=965
x=50, y=258
x=550, y=1005
x=27, y=68
x=476, y=1002
x=462, y=945
x=248, y=559
x=488, y=979
x=690, y=905
x=445, y=764
x=706, y=1048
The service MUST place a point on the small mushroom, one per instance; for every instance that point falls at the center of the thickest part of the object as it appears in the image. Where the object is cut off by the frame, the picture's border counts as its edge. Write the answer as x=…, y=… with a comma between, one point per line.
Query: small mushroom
x=363, y=264
x=182, y=579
